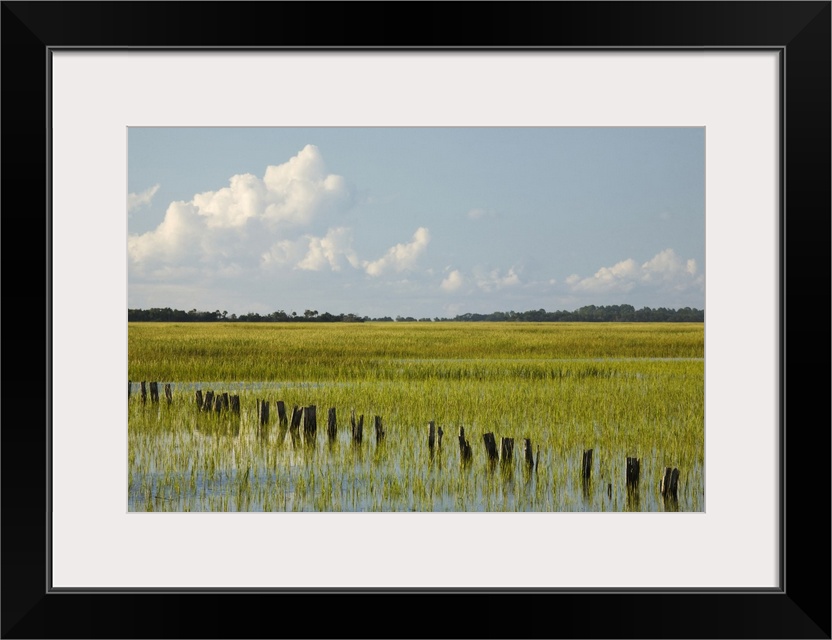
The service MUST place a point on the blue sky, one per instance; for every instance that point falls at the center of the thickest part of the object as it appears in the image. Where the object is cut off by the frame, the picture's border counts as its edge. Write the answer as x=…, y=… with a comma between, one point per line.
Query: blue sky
x=410, y=221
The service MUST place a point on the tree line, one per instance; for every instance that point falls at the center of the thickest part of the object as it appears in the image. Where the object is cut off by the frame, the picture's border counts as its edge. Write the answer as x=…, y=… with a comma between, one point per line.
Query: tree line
x=590, y=313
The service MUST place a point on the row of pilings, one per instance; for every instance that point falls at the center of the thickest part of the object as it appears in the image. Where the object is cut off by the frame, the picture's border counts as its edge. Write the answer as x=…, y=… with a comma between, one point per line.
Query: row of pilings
x=305, y=418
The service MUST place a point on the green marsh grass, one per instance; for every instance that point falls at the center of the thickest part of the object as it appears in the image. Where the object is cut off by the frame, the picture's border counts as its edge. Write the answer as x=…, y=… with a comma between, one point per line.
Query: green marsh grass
x=620, y=389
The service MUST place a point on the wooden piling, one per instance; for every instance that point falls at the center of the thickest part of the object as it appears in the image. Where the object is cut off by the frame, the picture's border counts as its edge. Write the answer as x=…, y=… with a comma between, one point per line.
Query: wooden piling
x=490, y=446
x=586, y=464
x=144, y=391
x=527, y=451
x=281, y=414
x=168, y=393
x=310, y=423
x=633, y=470
x=263, y=412
x=439, y=434
x=357, y=427
x=331, y=424
x=199, y=399
x=297, y=414
x=294, y=424
x=209, y=401
x=670, y=483
x=235, y=404
x=379, y=428
x=154, y=392
x=465, y=452
x=506, y=451
x=431, y=435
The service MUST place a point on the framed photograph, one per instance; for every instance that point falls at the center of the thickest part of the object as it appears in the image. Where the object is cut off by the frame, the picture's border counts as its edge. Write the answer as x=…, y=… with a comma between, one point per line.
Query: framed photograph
x=101, y=95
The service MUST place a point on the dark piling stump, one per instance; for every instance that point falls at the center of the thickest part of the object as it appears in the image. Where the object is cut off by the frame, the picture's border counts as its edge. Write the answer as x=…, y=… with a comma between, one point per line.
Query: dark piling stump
x=670, y=484
x=294, y=425
x=431, y=435
x=282, y=421
x=633, y=471
x=490, y=449
x=234, y=402
x=586, y=472
x=208, y=403
x=506, y=451
x=331, y=424
x=465, y=453
x=379, y=429
x=144, y=391
x=168, y=393
x=262, y=419
x=357, y=427
x=154, y=392
x=199, y=399
x=632, y=478
x=529, y=455
x=310, y=424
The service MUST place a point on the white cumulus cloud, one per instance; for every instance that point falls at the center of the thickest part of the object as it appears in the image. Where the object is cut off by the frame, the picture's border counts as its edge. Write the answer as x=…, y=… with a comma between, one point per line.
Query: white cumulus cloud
x=136, y=201
x=665, y=271
x=331, y=251
x=401, y=257
x=453, y=281
x=249, y=218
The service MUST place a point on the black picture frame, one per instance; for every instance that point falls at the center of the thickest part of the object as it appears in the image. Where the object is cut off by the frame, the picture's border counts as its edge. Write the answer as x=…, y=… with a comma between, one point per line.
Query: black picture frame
x=800, y=608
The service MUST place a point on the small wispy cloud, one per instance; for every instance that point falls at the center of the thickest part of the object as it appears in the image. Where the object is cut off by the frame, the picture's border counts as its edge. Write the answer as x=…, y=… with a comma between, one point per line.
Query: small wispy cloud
x=479, y=214
x=136, y=201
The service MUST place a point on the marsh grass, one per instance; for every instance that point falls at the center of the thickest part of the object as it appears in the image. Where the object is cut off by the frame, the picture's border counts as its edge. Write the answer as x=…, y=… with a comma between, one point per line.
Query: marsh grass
x=622, y=390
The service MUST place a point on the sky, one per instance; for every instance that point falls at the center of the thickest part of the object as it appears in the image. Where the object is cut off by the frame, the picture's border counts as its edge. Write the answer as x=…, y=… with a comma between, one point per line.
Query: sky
x=419, y=222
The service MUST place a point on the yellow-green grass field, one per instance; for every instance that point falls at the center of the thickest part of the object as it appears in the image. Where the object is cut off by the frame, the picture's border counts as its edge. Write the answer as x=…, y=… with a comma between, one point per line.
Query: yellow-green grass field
x=622, y=390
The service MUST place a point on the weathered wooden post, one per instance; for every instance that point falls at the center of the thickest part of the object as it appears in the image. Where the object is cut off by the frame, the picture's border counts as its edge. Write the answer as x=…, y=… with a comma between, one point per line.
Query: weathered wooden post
x=209, y=401
x=465, y=452
x=670, y=483
x=357, y=427
x=235, y=404
x=331, y=424
x=144, y=391
x=439, y=434
x=527, y=451
x=490, y=446
x=199, y=399
x=633, y=471
x=431, y=435
x=281, y=414
x=586, y=471
x=154, y=392
x=294, y=424
x=379, y=429
x=586, y=465
x=507, y=451
x=168, y=393
x=263, y=412
x=310, y=424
